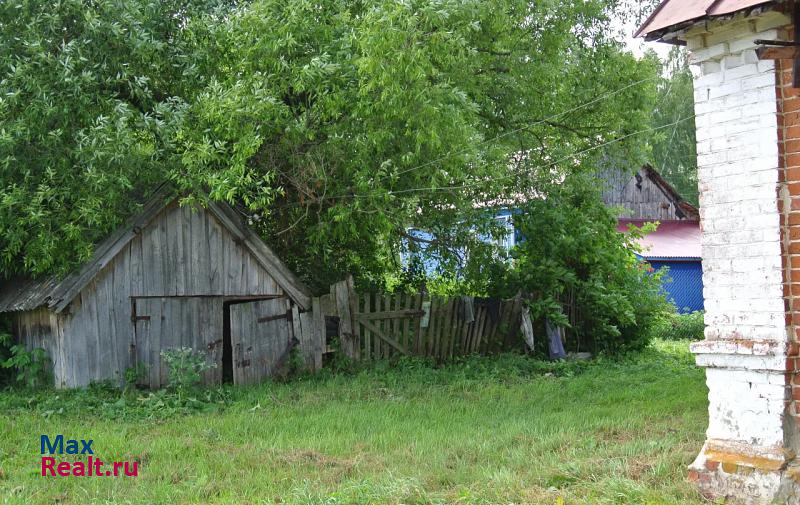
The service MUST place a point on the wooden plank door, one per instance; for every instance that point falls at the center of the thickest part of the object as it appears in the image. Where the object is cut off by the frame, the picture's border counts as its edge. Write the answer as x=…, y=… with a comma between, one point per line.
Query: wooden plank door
x=260, y=339
x=171, y=322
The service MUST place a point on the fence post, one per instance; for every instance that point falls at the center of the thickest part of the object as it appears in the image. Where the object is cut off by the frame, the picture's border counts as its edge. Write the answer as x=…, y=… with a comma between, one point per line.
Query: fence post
x=342, y=301
x=352, y=301
x=319, y=335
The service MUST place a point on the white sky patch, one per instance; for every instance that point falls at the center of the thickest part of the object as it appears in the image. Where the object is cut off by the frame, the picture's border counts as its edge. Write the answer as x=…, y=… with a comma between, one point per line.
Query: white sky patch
x=628, y=26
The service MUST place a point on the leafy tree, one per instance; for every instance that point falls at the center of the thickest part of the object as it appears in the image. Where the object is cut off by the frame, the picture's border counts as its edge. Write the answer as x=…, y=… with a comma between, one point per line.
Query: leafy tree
x=333, y=126
x=91, y=94
x=579, y=272
x=337, y=125
x=675, y=147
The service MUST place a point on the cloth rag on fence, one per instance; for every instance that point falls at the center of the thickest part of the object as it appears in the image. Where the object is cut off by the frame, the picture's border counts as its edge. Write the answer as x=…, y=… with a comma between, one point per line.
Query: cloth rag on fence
x=526, y=327
x=466, y=310
x=555, y=336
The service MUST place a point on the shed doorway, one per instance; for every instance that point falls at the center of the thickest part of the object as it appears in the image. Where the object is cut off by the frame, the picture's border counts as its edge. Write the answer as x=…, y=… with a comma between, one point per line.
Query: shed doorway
x=170, y=322
x=257, y=337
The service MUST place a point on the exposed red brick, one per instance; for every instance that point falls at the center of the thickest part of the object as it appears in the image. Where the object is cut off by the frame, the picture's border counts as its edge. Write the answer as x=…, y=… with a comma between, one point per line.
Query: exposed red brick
x=791, y=104
x=792, y=145
x=791, y=132
x=794, y=188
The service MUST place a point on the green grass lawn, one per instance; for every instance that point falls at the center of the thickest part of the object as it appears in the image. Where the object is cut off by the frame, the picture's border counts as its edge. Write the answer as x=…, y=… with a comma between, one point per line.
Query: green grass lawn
x=488, y=430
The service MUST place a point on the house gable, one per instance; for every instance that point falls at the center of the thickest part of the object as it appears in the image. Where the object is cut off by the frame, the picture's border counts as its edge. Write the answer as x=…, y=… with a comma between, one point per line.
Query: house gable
x=646, y=195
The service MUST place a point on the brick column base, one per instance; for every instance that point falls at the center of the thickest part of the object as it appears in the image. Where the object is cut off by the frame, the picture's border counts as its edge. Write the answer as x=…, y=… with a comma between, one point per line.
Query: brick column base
x=747, y=457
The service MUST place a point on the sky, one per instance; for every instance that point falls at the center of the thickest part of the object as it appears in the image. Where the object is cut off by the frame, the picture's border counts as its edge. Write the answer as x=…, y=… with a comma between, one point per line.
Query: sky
x=628, y=26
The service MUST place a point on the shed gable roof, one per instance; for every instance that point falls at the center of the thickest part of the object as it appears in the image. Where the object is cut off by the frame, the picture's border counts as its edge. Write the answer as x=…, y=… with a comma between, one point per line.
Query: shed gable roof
x=57, y=294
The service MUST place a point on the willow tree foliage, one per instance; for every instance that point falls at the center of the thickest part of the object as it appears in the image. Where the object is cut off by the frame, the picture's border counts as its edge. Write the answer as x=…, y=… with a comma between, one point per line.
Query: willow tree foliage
x=91, y=96
x=333, y=126
x=675, y=147
x=338, y=124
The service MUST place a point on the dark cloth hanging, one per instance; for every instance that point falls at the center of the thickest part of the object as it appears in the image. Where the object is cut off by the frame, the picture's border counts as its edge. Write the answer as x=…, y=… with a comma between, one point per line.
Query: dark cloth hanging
x=555, y=337
x=492, y=307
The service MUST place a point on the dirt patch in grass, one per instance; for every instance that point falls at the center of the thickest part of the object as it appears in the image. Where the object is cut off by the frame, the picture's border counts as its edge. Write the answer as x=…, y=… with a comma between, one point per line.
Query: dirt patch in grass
x=612, y=435
x=332, y=469
x=637, y=468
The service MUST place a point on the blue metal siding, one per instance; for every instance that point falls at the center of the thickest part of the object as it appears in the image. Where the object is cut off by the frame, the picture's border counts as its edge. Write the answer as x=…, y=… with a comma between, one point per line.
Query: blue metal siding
x=683, y=283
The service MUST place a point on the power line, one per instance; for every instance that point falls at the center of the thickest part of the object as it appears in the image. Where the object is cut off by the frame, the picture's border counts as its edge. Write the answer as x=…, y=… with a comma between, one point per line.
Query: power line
x=508, y=176
x=565, y=158
x=529, y=125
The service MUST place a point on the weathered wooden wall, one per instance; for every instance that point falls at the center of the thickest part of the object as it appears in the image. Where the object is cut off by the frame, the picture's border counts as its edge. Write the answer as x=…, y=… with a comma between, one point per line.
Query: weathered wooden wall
x=184, y=252
x=35, y=328
x=173, y=322
x=641, y=196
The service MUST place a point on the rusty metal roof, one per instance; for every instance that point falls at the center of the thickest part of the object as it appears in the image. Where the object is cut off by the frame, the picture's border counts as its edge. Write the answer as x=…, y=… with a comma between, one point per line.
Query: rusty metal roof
x=672, y=13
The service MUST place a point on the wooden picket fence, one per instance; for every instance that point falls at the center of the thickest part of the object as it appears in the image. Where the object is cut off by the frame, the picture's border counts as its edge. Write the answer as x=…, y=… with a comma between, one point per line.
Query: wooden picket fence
x=383, y=325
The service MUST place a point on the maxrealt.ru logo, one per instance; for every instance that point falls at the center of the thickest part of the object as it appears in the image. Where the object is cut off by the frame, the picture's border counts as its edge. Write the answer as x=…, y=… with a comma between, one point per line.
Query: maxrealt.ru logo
x=92, y=467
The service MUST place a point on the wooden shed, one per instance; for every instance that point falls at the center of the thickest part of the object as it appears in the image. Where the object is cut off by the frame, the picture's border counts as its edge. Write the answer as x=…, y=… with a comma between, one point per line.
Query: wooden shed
x=173, y=276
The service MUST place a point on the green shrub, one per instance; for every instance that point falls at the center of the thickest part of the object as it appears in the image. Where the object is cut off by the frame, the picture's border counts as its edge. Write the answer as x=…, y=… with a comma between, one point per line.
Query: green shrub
x=186, y=367
x=32, y=367
x=581, y=273
x=134, y=374
x=675, y=326
x=6, y=341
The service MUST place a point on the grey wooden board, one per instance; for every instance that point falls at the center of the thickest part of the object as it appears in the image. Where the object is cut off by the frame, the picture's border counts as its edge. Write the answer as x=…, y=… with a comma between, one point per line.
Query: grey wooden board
x=258, y=347
x=342, y=295
x=307, y=345
x=174, y=322
x=320, y=344
x=645, y=198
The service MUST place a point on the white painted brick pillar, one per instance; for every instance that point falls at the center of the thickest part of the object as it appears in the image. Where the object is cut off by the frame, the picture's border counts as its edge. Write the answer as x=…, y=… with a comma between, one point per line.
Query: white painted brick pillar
x=749, y=350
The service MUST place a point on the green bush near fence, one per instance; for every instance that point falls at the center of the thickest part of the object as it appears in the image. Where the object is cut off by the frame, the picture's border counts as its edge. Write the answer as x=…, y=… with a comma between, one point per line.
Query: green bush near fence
x=675, y=326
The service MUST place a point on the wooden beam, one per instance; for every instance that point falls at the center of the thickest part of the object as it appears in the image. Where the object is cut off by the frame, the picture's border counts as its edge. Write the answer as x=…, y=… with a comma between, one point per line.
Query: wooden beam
x=778, y=53
x=346, y=334
x=391, y=314
x=389, y=340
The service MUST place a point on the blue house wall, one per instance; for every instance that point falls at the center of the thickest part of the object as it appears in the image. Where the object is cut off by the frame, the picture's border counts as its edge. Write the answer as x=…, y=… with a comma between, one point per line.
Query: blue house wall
x=683, y=281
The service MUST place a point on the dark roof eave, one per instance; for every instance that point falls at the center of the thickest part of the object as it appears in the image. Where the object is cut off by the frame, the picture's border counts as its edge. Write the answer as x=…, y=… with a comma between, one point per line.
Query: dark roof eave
x=657, y=35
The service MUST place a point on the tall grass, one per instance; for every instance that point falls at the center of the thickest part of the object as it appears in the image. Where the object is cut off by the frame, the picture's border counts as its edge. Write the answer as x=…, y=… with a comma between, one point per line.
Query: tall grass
x=486, y=430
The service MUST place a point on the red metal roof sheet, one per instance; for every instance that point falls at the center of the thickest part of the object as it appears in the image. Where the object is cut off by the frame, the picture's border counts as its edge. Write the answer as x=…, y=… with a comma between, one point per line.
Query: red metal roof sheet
x=674, y=12
x=672, y=239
